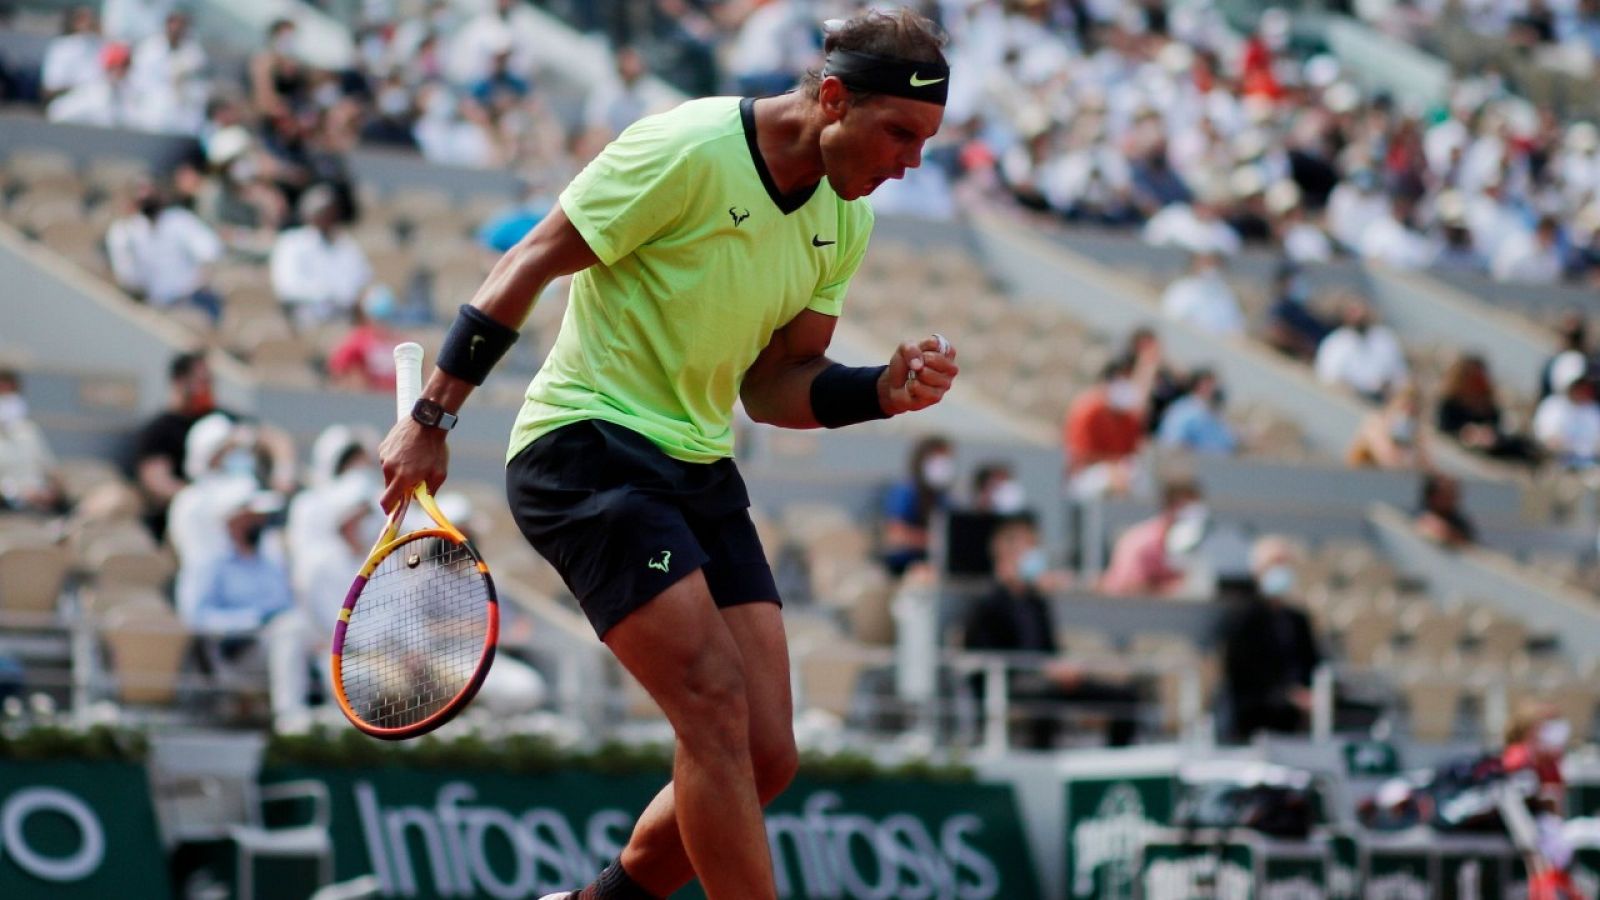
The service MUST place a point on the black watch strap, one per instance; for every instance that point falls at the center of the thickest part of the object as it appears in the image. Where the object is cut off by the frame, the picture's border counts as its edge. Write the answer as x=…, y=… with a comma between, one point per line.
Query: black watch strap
x=431, y=414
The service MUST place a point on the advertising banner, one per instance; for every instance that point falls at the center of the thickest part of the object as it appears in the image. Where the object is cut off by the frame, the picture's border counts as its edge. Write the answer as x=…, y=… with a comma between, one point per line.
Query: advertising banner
x=428, y=834
x=1108, y=821
x=71, y=830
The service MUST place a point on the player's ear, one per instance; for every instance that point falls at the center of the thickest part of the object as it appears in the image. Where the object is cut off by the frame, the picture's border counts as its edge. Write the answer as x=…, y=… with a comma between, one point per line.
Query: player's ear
x=834, y=98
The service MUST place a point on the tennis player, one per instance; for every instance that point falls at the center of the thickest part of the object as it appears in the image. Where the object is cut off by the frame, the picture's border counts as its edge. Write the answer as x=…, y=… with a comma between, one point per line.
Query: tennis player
x=712, y=246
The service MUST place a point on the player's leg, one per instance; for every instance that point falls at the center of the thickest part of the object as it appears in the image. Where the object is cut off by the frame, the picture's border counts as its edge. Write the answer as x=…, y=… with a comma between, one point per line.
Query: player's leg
x=684, y=654
x=654, y=858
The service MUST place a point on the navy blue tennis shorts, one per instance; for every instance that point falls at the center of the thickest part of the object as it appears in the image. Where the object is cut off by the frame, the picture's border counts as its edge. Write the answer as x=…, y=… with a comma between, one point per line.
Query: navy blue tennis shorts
x=622, y=521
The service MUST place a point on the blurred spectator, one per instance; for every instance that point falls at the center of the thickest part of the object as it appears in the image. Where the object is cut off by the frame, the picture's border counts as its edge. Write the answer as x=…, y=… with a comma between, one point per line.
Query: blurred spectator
x=364, y=358
x=1196, y=227
x=1536, y=740
x=1470, y=413
x=1195, y=422
x=342, y=458
x=909, y=505
x=220, y=463
x=1394, y=240
x=454, y=133
x=1156, y=381
x=27, y=467
x=1573, y=333
x=1302, y=240
x=107, y=99
x=394, y=115
x=499, y=88
x=1393, y=437
x=73, y=58
x=1567, y=423
x=776, y=43
x=1457, y=253
x=162, y=252
x=1361, y=355
x=279, y=83
x=1269, y=649
x=243, y=588
x=1204, y=299
x=160, y=448
x=995, y=489
x=1530, y=257
x=1103, y=432
x=1357, y=201
x=473, y=47
x=618, y=102
x=318, y=269
x=348, y=521
x=1015, y=616
x=504, y=229
x=1141, y=561
x=1292, y=327
x=172, y=65
x=131, y=21
x=1439, y=516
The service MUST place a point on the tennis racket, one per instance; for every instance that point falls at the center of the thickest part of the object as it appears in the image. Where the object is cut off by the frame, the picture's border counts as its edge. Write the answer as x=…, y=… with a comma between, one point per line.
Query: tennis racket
x=417, y=633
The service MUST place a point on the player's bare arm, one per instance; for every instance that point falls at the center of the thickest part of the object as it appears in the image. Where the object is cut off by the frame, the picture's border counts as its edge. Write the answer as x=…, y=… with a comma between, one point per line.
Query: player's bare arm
x=414, y=453
x=777, y=388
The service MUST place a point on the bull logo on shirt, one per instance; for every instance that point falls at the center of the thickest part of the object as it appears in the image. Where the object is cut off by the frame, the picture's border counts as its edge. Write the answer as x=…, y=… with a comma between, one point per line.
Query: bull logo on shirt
x=739, y=215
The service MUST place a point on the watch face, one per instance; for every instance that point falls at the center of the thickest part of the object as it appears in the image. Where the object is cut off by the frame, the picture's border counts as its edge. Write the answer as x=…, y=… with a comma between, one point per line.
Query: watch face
x=427, y=412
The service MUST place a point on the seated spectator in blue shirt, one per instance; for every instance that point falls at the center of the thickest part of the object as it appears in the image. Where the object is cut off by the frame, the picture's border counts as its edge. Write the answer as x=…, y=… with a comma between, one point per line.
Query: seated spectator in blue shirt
x=1194, y=422
x=244, y=587
x=500, y=89
x=909, y=505
x=1292, y=328
x=505, y=228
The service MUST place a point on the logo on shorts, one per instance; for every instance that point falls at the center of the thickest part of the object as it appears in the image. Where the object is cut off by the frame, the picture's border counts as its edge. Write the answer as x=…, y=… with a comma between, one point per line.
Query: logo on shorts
x=739, y=215
x=661, y=561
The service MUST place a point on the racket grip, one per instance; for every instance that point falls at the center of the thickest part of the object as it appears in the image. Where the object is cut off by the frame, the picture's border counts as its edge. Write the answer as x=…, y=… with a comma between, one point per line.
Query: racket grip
x=407, y=377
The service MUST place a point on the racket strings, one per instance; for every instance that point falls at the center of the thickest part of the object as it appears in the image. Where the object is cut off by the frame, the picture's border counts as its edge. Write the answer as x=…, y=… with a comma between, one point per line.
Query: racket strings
x=416, y=634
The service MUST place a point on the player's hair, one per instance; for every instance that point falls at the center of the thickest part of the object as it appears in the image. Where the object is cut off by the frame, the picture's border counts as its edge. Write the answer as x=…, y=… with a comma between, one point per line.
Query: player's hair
x=902, y=34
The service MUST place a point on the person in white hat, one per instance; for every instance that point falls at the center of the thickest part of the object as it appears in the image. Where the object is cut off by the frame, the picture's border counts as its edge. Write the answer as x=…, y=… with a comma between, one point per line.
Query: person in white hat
x=1567, y=423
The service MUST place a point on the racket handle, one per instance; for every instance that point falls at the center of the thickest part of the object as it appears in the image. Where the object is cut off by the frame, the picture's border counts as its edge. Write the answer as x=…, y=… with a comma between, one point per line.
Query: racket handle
x=407, y=377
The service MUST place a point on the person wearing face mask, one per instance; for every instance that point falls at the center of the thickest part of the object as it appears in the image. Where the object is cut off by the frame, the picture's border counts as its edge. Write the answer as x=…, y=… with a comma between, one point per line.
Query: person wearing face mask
x=1015, y=616
x=1269, y=649
x=241, y=588
x=364, y=358
x=1142, y=562
x=1361, y=355
x=160, y=451
x=319, y=271
x=1293, y=329
x=1203, y=298
x=1194, y=423
x=1104, y=430
x=1393, y=437
x=27, y=467
x=996, y=490
x=162, y=252
x=909, y=505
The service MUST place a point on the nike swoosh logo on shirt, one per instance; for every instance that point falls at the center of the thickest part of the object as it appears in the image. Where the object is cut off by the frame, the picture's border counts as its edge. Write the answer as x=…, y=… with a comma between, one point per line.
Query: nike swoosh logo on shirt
x=917, y=81
x=817, y=241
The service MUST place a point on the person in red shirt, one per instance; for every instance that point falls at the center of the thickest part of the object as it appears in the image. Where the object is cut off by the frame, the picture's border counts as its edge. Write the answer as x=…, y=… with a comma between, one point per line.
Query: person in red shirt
x=1103, y=431
x=364, y=357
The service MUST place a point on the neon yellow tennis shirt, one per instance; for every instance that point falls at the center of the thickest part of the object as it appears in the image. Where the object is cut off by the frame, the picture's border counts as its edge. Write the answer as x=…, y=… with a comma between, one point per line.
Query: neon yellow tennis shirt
x=701, y=260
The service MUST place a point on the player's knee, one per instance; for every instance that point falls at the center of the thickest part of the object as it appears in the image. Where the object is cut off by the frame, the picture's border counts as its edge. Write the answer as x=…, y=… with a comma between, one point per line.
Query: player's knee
x=712, y=703
x=775, y=761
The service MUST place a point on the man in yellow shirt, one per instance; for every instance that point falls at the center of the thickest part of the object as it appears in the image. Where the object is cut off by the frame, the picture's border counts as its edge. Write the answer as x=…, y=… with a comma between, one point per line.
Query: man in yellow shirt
x=712, y=247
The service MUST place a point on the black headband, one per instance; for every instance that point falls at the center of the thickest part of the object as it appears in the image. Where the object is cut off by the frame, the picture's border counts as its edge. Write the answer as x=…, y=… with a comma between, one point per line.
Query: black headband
x=926, y=81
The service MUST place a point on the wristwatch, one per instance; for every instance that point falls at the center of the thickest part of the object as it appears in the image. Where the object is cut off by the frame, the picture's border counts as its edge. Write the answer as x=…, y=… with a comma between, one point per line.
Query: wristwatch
x=431, y=414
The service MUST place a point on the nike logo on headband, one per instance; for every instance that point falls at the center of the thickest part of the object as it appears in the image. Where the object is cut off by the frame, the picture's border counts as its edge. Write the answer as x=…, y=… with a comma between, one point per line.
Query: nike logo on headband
x=922, y=82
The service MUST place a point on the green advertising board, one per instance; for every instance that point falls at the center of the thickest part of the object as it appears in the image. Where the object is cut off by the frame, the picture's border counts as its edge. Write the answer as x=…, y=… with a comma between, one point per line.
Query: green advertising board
x=1344, y=867
x=1473, y=876
x=1108, y=820
x=71, y=830
x=473, y=834
x=1172, y=870
x=1586, y=871
x=1398, y=873
x=1299, y=876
